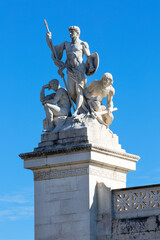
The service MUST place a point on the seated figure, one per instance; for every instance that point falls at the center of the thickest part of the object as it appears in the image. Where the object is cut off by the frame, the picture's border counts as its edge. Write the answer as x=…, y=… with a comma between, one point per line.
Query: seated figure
x=95, y=92
x=56, y=105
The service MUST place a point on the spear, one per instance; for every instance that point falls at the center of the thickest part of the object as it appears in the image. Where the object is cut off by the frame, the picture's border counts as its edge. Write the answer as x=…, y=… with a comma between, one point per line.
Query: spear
x=55, y=54
x=51, y=43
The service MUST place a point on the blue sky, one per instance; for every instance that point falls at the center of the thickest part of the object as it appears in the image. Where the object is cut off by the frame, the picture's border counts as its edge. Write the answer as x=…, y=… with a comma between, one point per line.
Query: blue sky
x=126, y=35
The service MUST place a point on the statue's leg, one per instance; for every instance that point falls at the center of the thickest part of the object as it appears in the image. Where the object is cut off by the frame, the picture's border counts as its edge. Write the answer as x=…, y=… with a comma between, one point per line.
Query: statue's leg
x=80, y=84
x=59, y=116
x=56, y=111
x=71, y=87
x=53, y=111
x=49, y=116
x=79, y=99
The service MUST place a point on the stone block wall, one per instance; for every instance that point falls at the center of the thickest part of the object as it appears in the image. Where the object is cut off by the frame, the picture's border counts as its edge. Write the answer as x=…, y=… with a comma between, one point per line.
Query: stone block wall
x=61, y=205
x=140, y=228
x=136, y=213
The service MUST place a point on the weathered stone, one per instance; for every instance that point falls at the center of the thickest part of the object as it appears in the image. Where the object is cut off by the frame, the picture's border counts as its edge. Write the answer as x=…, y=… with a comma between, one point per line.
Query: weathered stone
x=85, y=132
x=66, y=186
x=142, y=228
x=136, y=213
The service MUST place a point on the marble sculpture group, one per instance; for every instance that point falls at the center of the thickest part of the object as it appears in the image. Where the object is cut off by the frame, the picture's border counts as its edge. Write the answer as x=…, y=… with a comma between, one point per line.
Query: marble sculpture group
x=87, y=99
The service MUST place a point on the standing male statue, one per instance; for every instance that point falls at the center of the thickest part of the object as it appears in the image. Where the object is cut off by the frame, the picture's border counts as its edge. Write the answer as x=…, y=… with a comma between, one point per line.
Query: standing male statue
x=76, y=69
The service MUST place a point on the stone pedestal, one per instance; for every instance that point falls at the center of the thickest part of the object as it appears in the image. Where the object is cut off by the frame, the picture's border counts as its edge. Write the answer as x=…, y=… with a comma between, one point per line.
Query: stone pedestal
x=68, y=167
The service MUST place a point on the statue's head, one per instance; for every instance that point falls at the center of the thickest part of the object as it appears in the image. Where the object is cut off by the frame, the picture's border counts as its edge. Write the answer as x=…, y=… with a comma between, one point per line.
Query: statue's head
x=54, y=84
x=74, y=31
x=107, y=79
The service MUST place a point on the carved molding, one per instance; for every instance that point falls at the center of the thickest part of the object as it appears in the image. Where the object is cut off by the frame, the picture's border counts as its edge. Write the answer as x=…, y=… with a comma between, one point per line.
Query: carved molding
x=46, y=174
x=53, y=174
x=105, y=173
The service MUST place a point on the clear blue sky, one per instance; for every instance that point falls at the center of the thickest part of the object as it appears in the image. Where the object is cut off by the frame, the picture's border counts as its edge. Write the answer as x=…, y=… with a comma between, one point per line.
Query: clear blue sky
x=126, y=34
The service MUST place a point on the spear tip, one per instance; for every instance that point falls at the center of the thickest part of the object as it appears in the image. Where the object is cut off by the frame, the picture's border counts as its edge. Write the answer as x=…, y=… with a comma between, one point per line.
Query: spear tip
x=45, y=22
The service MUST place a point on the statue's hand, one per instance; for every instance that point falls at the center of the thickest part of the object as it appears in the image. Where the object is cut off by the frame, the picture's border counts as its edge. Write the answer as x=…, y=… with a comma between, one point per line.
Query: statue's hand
x=61, y=73
x=49, y=35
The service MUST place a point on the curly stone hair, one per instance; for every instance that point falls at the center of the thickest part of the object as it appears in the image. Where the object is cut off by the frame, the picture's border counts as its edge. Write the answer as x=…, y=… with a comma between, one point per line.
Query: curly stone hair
x=77, y=29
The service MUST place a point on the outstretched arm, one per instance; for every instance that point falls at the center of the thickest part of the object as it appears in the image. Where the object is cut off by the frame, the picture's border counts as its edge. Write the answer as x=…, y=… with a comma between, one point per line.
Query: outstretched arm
x=110, y=102
x=110, y=99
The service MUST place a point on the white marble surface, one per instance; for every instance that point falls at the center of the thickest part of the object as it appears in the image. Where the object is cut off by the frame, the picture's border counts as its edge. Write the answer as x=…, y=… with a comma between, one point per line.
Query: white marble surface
x=76, y=68
x=95, y=92
x=67, y=199
x=57, y=106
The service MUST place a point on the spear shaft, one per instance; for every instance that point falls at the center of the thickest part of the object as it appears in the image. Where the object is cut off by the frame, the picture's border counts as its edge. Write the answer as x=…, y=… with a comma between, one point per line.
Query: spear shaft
x=51, y=43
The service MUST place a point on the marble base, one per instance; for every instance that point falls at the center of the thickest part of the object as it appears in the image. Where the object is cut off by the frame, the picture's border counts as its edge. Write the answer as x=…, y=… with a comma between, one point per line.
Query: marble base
x=70, y=169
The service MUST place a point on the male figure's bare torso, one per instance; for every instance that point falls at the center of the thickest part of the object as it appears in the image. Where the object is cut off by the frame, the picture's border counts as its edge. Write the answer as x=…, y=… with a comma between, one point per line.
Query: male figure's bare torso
x=75, y=52
x=95, y=88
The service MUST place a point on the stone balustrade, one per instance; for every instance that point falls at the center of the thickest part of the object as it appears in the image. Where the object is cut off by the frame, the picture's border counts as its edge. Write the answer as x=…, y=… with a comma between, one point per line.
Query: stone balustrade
x=136, y=202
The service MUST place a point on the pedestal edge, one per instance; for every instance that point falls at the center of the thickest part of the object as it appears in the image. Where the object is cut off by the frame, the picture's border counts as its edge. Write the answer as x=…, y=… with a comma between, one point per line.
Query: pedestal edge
x=81, y=147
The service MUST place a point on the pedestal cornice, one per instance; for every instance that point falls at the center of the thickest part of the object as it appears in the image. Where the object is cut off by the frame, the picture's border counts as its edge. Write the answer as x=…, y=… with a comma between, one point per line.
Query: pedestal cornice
x=77, y=148
x=81, y=154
